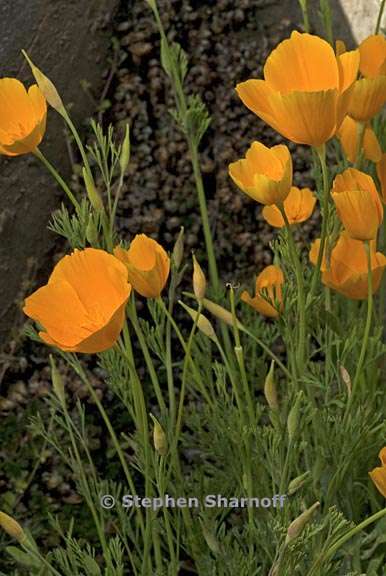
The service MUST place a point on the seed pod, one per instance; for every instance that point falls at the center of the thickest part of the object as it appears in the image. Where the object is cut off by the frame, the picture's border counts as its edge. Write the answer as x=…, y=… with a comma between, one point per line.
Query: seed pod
x=12, y=528
x=57, y=382
x=47, y=88
x=199, y=280
x=270, y=391
x=124, y=157
x=297, y=525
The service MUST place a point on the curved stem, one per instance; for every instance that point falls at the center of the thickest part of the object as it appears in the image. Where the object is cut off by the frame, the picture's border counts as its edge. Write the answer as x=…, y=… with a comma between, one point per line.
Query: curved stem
x=268, y=352
x=39, y=154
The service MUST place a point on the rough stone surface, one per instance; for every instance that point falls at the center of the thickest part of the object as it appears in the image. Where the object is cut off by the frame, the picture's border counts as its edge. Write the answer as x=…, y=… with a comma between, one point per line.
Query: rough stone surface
x=68, y=39
x=362, y=16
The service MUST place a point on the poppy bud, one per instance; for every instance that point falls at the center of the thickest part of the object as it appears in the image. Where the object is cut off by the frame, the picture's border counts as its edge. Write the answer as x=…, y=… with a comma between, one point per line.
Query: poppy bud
x=124, y=157
x=159, y=437
x=92, y=193
x=12, y=528
x=57, y=381
x=296, y=527
x=270, y=391
x=46, y=87
x=199, y=280
x=297, y=483
x=203, y=323
x=293, y=418
x=221, y=313
x=178, y=250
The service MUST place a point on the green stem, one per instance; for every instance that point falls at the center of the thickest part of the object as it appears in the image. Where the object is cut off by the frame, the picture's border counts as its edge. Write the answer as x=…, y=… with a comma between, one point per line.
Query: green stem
x=269, y=352
x=39, y=154
x=321, y=151
x=368, y=319
x=379, y=19
x=339, y=543
x=301, y=294
x=306, y=20
x=146, y=354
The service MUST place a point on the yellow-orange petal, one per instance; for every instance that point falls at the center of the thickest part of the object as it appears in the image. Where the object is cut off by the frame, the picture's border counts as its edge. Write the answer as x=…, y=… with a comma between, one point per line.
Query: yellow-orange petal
x=302, y=63
x=348, y=65
x=340, y=47
x=148, y=265
x=373, y=55
x=348, y=134
x=368, y=97
x=358, y=213
x=381, y=173
x=298, y=207
x=260, y=304
x=258, y=96
x=306, y=117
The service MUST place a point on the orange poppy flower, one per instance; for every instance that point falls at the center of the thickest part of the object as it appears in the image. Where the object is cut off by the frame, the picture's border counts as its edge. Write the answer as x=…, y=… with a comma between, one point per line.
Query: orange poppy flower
x=268, y=299
x=265, y=174
x=348, y=136
x=369, y=92
x=22, y=117
x=378, y=475
x=357, y=203
x=82, y=307
x=298, y=207
x=381, y=173
x=347, y=273
x=148, y=265
x=306, y=89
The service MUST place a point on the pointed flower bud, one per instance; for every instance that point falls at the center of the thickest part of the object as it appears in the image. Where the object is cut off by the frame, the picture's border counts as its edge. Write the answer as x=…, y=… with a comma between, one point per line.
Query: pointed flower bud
x=178, y=250
x=221, y=313
x=296, y=527
x=159, y=437
x=46, y=87
x=211, y=540
x=11, y=527
x=293, y=417
x=124, y=157
x=270, y=391
x=199, y=280
x=203, y=323
x=297, y=483
x=57, y=381
x=92, y=193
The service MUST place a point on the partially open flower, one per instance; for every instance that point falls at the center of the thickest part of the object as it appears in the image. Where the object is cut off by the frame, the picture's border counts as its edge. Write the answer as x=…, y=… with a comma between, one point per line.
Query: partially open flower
x=82, y=307
x=347, y=272
x=357, y=203
x=268, y=297
x=306, y=89
x=378, y=475
x=369, y=92
x=148, y=265
x=298, y=207
x=22, y=117
x=381, y=173
x=348, y=135
x=265, y=174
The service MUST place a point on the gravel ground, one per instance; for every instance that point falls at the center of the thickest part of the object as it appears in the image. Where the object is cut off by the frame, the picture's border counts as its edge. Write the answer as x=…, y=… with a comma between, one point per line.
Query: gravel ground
x=225, y=45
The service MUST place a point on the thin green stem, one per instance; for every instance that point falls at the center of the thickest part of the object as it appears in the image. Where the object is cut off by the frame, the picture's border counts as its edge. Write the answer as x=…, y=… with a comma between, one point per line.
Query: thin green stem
x=306, y=20
x=146, y=354
x=368, y=319
x=379, y=19
x=269, y=352
x=325, y=213
x=39, y=154
x=339, y=543
x=301, y=294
